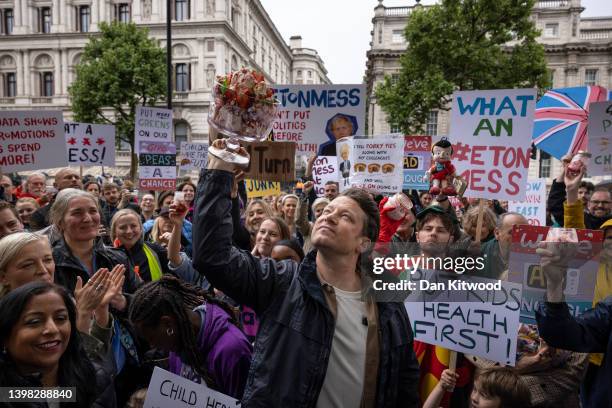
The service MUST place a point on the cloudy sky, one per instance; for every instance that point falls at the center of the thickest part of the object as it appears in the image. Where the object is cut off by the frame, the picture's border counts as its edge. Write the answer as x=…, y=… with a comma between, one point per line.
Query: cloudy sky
x=340, y=29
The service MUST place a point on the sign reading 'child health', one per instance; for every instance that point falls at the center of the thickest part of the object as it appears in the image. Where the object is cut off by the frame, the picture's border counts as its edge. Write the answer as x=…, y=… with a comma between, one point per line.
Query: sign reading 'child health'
x=533, y=207
x=600, y=138
x=157, y=165
x=491, y=136
x=90, y=145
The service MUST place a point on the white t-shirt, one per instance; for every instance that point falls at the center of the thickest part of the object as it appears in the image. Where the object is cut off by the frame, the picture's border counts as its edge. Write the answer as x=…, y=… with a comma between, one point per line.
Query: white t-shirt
x=343, y=384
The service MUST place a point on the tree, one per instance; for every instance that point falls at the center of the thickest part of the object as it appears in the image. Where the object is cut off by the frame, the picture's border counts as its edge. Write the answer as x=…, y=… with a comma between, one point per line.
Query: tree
x=119, y=70
x=462, y=45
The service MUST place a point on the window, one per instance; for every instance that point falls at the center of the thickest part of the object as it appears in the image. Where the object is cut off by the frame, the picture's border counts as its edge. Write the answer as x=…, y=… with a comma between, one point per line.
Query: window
x=44, y=20
x=395, y=128
x=181, y=10
x=395, y=79
x=210, y=45
x=8, y=21
x=551, y=30
x=309, y=74
x=83, y=15
x=299, y=73
x=181, y=78
x=431, y=128
x=10, y=86
x=123, y=13
x=590, y=77
x=46, y=88
x=545, y=164
x=181, y=131
x=397, y=36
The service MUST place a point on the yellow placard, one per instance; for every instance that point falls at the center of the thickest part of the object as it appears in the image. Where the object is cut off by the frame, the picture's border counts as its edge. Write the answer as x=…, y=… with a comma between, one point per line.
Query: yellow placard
x=257, y=188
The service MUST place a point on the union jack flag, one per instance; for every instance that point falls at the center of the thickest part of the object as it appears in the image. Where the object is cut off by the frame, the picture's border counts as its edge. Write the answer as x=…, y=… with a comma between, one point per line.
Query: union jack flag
x=561, y=115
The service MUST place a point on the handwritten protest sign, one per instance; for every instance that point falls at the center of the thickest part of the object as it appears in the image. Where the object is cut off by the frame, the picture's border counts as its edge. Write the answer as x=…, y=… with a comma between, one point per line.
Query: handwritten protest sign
x=324, y=169
x=600, y=138
x=417, y=159
x=524, y=268
x=258, y=188
x=152, y=125
x=170, y=390
x=376, y=164
x=31, y=140
x=491, y=136
x=271, y=161
x=193, y=155
x=314, y=116
x=157, y=165
x=486, y=328
x=90, y=145
x=533, y=207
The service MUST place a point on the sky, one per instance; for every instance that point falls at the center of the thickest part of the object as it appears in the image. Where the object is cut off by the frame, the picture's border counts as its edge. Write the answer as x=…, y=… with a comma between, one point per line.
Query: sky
x=340, y=29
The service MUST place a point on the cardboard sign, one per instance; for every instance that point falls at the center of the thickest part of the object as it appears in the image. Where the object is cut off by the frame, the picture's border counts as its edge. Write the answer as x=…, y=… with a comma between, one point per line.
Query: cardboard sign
x=157, y=162
x=376, y=164
x=90, y=145
x=491, y=137
x=271, y=161
x=533, y=207
x=315, y=116
x=193, y=155
x=524, y=268
x=600, y=138
x=31, y=140
x=417, y=159
x=486, y=329
x=170, y=390
x=258, y=188
x=324, y=169
x=152, y=125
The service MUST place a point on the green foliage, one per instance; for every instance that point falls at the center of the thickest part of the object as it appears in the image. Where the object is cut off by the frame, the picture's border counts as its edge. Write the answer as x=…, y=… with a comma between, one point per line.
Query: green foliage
x=119, y=70
x=462, y=45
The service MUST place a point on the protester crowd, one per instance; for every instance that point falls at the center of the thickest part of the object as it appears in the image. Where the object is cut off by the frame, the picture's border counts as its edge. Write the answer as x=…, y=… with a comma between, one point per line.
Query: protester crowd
x=261, y=298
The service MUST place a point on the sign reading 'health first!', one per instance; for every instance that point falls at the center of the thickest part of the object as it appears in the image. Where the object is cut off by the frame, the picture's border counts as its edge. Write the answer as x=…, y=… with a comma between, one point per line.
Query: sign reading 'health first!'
x=491, y=136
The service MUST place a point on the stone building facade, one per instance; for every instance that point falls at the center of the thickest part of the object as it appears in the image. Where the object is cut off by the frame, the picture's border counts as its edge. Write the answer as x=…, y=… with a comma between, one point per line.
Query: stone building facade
x=41, y=42
x=578, y=52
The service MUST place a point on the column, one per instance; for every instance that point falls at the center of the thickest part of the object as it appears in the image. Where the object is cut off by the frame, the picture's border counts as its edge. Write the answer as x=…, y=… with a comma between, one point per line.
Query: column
x=64, y=70
x=55, y=8
x=21, y=75
x=27, y=76
x=200, y=68
x=155, y=14
x=17, y=27
x=95, y=16
x=63, y=16
x=57, y=73
x=26, y=18
x=102, y=11
x=136, y=11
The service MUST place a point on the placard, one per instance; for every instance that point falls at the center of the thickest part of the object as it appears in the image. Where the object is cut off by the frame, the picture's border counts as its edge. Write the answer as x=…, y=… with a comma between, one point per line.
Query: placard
x=170, y=390
x=600, y=138
x=417, y=159
x=258, y=188
x=271, y=161
x=89, y=144
x=152, y=125
x=376, y=163
x=315, y=116
x=486, y=329
x=491, y=137
x=524, y=268
x=31, y=140
x=157, y=169
x=193, y=155
x=533, y=207
x=325, y=168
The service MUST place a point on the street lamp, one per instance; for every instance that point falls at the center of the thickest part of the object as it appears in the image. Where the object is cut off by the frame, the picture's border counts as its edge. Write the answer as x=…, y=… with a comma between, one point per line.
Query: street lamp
x=169, y=51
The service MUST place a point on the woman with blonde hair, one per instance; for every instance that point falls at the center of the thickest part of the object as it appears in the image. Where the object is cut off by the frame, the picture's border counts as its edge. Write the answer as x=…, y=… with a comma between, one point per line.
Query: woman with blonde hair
x=489, y=221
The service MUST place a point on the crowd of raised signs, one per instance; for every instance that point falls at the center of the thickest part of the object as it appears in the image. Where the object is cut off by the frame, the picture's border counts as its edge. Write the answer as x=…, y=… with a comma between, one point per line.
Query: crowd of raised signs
x=259, y=298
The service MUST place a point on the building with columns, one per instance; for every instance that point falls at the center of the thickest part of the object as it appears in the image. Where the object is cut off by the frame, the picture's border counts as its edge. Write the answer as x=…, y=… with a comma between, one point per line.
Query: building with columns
x=578, y=52
x=41, y=42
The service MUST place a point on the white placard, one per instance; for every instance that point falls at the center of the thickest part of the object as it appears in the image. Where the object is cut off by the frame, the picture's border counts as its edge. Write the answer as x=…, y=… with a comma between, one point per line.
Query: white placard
x=324, y=169
x=152, y=125
x=600, y=137
x=533, y=207
x=31, y=140
x=89, y=144
x=193, y=155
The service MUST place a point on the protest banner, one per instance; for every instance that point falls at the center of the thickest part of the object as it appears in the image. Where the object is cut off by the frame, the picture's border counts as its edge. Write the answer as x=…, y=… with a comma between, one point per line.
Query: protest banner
x=524, y=268
x=314, y=116
x=193, y=155
x=88, y=144
x=271, y=161
x=152, y=125
x=486, y=327
x=31, y=140
x=491, y=137
x=376, y=164
x=533, y=207
x=324, y=169
x=417, y=159
x=157, y=162
x=170, y=390
x=600, y=138
x=258, y=188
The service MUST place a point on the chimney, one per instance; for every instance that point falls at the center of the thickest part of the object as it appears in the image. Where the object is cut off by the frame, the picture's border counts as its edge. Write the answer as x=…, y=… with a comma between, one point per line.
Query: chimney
x=295, y=42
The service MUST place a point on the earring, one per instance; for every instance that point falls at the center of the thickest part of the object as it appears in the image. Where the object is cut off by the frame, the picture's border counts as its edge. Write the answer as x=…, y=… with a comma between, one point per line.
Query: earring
x=170, y=331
